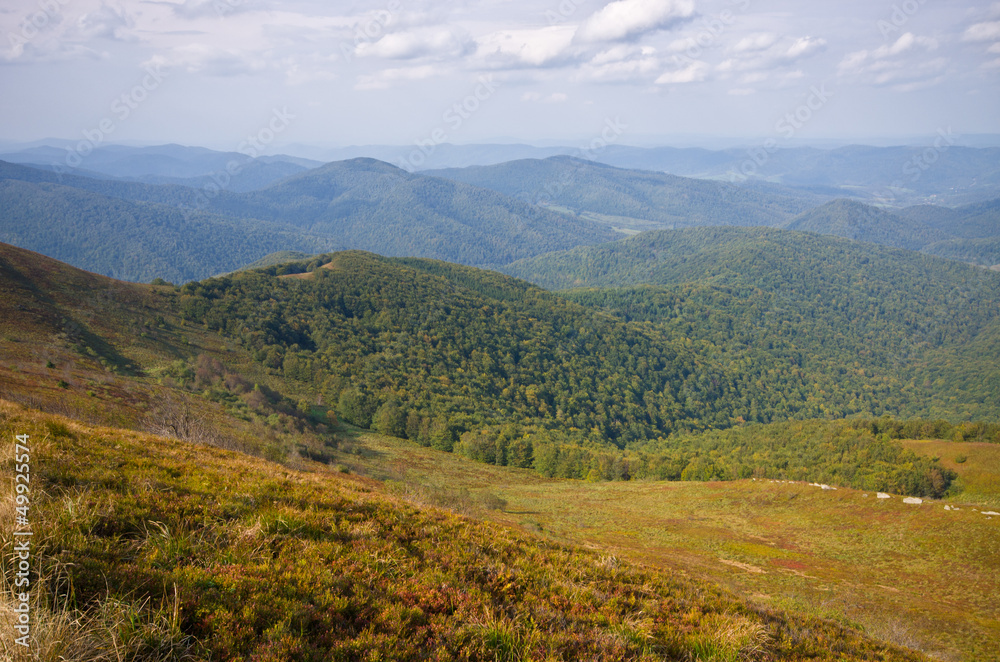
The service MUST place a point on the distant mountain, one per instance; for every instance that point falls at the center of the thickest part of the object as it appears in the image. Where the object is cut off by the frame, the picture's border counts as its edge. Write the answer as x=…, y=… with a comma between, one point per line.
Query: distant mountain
x=137, y=241
x=167, y=164
x=897, y=176
x=970, y=233
x=975, y=221
x=378, y=207
x=861, y=222
x=355, y=204
x=940, y=169
x=633, y=199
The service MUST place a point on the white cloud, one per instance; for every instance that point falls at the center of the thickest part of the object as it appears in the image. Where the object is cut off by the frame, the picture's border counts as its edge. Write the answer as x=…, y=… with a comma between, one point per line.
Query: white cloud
x=440, y=42
x=781, y=53
x=388, y=77
x=802, y=47
x=988, y=31
x=628, y=19
x=755, y=42
x=555, y=97
x=621, y=63
x=105, y=23
x=695, y=72
x=215, y=9
x=900, y=65
x=525, y=48
x=216, y=61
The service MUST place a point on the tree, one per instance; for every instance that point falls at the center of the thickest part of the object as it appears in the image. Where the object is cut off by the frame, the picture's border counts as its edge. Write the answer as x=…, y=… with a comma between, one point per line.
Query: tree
x=355, y=408
x=390, y=419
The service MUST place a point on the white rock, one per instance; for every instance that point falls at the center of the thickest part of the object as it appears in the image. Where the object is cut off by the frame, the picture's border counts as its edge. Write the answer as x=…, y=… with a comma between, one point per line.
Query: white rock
x=914, y=500
x=883, y=495
x=990, y=512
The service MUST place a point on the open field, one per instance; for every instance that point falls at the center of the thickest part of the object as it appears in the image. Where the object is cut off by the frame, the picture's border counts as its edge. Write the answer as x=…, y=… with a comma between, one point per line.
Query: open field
x=148, y=548
x=916, y=575
x=977, y=465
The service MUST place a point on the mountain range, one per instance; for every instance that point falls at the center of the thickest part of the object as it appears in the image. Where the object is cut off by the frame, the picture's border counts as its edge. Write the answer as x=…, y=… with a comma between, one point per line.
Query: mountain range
x=483, y=215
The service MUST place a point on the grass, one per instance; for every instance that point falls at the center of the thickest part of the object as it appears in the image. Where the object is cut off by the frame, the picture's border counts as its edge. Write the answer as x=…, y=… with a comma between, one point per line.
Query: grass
x=918, y=576
x=154, y=549
x=977, y=465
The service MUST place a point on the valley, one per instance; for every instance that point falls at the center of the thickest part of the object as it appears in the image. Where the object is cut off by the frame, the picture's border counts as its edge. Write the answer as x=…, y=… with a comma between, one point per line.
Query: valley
x=361, y=411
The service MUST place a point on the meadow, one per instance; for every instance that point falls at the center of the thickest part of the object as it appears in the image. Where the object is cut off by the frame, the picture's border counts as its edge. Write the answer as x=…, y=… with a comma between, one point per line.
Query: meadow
x=915, y=575
x=148, y=548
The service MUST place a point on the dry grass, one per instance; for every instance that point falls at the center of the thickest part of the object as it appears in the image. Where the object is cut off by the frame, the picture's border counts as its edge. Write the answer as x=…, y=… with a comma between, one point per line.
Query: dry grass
x=915, y=575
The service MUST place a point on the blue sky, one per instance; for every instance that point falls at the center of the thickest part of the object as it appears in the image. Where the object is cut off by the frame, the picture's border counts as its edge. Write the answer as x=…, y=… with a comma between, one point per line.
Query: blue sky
x=213, y=72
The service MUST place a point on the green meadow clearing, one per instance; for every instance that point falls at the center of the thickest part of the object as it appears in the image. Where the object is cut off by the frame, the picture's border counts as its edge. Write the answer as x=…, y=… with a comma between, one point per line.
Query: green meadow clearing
x=916, y=575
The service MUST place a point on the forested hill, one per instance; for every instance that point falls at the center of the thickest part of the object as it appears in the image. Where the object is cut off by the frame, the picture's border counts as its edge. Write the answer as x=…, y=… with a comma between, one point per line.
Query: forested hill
x=138, y=241
x=861, y=222
x=653, y=197
x=363, y=204
x=801, y=328
x=770, y=259
x=970, y=233
x=912, y=327
x=381, y=208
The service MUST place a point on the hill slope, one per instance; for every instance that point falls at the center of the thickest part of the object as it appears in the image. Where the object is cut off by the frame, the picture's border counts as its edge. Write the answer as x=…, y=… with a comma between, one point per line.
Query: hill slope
x=134, y=240
x=802, y=297
x=377, y=207
x=358, y=204
x=631, y=196
x=467, y=360
x=175, y=550
x=861, y=222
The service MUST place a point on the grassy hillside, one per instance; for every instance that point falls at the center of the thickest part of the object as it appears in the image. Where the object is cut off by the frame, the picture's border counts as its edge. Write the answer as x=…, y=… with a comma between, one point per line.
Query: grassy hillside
x=916, y=575
x=159, y=548
x=176, y=551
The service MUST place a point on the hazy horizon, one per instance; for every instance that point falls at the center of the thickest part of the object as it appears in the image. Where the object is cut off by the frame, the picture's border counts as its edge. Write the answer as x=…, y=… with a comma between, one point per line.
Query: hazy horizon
x=399, y=72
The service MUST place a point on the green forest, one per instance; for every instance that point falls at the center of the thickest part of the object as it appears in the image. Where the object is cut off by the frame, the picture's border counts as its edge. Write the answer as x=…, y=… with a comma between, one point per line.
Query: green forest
x=630, y=382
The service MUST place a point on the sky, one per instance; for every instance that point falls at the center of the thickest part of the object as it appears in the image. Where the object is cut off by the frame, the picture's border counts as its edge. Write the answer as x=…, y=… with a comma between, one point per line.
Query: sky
x=228, y=73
